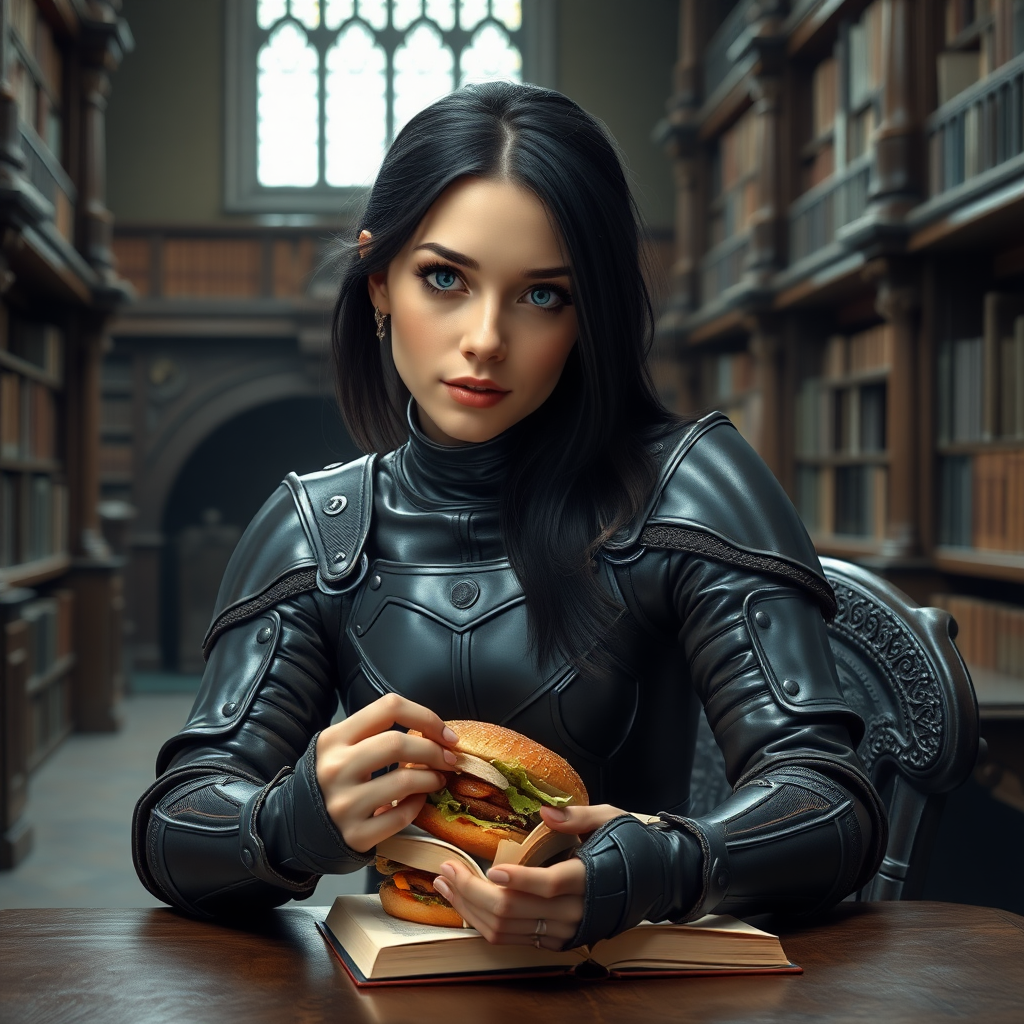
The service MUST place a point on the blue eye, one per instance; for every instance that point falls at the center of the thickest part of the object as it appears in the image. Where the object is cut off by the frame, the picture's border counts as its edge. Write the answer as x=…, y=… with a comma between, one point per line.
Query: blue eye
x=543, y=297
x=443, y=279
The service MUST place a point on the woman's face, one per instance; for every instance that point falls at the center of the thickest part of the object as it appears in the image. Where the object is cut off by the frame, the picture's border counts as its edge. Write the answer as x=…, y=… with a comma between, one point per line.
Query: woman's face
x=482, y=319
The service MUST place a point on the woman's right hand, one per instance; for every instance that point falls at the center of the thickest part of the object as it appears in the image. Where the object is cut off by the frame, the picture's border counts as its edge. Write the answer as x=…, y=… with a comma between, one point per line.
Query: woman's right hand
x=367, y=810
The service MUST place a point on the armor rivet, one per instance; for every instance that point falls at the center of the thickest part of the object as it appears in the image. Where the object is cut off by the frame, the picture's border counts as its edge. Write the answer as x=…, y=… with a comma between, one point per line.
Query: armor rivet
x=791, y=686
x=264, y=635
x=229, y=708
x=465, y=593
x=335, y=504
x=247, y=858
x=763, y=619
x=340, y=556
x=723, y=881
x=656, y=448
x=359, y=630
x=375, y=583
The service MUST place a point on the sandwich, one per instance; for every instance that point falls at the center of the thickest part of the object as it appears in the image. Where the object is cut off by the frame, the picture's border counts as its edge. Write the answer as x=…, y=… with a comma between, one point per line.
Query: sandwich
x=496, y=789
x=489, y=808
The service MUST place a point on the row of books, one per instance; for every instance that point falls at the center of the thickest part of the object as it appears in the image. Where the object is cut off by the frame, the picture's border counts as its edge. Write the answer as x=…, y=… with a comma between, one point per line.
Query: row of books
x=49, y=621
x=34, y=522
x=981, y=501
x=49, y=719
x=37, y=343
x=28, y=419
x=858, y=353
x=848, y=501
x=1000, y=29
x=866, y=54
x=738, y=152
x=991, y=634
x=728, y=374
x=849, y=420
x=212, y=267
x=824, y=97
x=38, y=98
x=736, y=212
x=981, y=380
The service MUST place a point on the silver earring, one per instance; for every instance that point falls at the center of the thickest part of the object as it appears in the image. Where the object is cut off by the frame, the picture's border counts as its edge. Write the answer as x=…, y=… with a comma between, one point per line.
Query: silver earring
x=379, y=317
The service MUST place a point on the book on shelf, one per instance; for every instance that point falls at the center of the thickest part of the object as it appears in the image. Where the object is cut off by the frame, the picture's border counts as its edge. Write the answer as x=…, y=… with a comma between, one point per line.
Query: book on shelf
x=376, y=949
x=955, y=501
x=990, y=633
x=998, y=500
x=824, y=97
x=866, y=54
x=10, y=415
x=860, y=501
x=41, y=617
x=956, y=71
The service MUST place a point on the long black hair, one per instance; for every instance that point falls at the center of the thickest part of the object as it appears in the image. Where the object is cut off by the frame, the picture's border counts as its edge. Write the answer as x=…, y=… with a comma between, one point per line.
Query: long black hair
x=580, y=468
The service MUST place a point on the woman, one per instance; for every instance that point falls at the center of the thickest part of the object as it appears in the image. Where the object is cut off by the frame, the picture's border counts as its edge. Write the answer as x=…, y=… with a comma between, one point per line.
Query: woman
x=543, y=546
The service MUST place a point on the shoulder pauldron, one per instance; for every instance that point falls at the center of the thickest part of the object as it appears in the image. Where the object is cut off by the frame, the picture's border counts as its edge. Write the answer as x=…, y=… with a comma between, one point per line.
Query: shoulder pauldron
x=716, y=498
x=309, y=536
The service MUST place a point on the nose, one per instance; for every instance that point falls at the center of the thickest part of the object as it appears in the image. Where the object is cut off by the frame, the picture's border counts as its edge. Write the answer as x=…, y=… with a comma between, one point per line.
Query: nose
x=483, y=338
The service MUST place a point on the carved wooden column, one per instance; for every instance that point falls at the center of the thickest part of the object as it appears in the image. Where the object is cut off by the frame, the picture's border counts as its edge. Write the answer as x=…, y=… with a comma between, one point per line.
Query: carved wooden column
x=762, y=258
x=106, y=39
x=678, y=135
x=897, y=301
x=893, y=189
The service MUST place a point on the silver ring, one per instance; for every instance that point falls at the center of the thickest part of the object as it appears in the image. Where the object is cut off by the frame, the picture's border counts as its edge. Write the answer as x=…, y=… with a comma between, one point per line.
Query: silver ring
x=542, y=927
x=536, y=942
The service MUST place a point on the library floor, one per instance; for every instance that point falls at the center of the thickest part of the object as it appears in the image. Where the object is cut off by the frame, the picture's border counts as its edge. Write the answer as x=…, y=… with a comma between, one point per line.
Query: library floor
x=80, y=806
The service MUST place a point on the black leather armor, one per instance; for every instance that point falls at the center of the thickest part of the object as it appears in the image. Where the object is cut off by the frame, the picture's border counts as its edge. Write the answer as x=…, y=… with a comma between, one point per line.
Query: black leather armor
x=389, y=574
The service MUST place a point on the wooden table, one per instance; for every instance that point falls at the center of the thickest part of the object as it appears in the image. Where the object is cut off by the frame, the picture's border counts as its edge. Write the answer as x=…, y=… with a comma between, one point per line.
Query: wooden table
x=881, y=962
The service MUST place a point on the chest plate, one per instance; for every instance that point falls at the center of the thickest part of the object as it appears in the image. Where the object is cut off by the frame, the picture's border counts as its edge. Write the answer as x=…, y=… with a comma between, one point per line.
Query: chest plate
x=455, y=639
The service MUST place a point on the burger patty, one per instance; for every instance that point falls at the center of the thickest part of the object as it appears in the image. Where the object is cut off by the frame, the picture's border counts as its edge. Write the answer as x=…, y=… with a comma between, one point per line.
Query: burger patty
x=492, y=812
x=477, y=789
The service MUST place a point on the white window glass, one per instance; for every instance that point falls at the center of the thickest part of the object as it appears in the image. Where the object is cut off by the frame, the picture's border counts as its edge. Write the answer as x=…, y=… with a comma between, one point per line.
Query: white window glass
x=356, y=103
x=471, y=12
x=443, y=12
x=338, y=11
x=307, y=11
x=375, y=12
x=490, y=56
x=405, y=12
x=269, y=11
x=508, y=12
x=424, y=69
x=287, y=109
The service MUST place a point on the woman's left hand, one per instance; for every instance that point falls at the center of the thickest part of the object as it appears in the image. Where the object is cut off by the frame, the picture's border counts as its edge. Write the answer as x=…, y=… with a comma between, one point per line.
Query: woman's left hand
x=511, y=904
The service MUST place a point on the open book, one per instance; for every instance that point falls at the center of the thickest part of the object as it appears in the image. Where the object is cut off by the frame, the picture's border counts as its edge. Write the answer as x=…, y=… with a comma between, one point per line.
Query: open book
x=377, y=949
x=416, y=849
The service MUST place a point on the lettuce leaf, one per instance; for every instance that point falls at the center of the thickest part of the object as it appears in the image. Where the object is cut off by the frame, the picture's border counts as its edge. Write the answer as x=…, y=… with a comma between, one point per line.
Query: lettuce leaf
x=451, y=810
x=515, y=774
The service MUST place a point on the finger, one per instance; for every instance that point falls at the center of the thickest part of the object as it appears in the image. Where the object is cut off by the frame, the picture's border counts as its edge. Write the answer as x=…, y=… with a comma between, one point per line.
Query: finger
x=506, y=930
x=506, y=903
x=392, y=710
x=360, y=801
x=366, y=834
x=568, y=878
x=579, y=820
x=361, y=760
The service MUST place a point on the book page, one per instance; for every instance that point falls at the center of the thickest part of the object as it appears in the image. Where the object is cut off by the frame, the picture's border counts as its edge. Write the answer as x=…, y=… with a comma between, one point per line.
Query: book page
x=424, y=852
x=540, y=846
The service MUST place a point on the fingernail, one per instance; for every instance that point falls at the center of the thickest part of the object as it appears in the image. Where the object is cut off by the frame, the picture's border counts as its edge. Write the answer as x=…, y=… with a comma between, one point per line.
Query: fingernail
x=450, y=736
x=450, y=757
x=499, y=876
x=557, y=814
x=448, y=870
x=442, y=887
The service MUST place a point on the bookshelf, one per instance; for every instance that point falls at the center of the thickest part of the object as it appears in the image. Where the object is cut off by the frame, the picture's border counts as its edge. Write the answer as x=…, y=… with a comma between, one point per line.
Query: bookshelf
x=59, y=586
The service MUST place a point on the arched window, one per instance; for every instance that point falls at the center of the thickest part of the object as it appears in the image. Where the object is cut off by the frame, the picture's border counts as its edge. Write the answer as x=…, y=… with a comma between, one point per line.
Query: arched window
x=317, y=89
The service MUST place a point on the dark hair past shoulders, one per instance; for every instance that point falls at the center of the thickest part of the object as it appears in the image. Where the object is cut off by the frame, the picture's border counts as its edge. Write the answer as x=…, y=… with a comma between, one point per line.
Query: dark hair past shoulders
x=581, y=467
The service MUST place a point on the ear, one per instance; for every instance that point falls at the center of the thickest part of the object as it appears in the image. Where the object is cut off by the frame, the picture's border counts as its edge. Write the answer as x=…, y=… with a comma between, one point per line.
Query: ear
x=377, y=284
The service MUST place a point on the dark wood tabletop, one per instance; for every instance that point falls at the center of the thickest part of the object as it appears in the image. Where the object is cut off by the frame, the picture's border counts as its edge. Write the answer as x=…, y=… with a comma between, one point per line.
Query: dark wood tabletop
x=878, y=962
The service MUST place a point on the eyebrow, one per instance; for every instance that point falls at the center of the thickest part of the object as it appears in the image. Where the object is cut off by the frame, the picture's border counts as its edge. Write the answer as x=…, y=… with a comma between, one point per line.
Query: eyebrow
x=462, y=260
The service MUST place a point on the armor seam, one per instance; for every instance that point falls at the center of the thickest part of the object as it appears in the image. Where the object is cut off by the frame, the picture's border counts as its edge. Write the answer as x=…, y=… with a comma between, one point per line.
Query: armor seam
x=679, y=538
x=289, y=586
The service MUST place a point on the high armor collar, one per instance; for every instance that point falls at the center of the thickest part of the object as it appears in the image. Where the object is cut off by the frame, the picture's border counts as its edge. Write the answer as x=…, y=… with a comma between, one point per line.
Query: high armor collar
x=453, y=476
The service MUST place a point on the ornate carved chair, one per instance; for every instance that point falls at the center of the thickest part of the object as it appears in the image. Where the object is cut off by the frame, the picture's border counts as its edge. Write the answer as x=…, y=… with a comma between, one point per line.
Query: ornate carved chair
x=901, y=672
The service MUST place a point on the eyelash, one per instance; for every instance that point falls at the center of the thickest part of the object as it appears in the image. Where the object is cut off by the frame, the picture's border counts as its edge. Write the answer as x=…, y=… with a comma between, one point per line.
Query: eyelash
x=432, y=268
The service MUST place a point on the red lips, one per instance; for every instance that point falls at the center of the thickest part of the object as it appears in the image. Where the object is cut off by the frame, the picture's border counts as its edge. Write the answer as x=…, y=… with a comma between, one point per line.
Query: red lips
x=476, y=392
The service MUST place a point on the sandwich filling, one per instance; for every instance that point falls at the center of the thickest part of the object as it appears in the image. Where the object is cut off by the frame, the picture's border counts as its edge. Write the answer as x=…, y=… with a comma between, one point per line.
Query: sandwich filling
x=514, y=807
x=417, y=884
